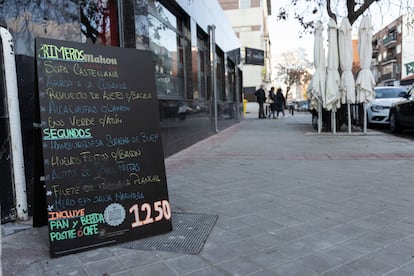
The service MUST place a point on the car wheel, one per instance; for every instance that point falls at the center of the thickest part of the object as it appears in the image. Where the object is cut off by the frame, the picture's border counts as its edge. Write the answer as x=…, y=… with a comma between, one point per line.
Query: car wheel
x=394, y=125
x=368, y=121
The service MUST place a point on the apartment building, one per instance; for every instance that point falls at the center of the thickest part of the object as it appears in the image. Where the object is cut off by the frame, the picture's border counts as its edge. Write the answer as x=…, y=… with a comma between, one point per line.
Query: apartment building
x=249, y=19
x=393, y=53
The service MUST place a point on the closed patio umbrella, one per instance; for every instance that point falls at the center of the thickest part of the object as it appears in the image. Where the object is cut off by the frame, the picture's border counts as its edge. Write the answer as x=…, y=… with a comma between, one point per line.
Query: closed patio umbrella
x=332, y=73
x=332, y=76
x=345, y=60
x=365, y=81
x=317, y=87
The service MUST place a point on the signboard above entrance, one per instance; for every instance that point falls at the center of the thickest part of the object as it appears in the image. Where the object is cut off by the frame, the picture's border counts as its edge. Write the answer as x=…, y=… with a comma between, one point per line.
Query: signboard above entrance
x=254, y=56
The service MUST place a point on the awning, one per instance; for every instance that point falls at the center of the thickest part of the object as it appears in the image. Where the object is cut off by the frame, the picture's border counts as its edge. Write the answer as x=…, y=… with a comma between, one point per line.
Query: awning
x=407, y=80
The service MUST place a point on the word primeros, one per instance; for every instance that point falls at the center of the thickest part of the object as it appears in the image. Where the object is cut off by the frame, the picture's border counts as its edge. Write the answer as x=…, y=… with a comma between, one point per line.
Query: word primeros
x=50, y=51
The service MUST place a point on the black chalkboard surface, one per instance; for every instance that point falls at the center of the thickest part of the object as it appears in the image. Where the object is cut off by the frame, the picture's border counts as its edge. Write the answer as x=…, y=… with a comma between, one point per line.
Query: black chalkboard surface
x=103, y=156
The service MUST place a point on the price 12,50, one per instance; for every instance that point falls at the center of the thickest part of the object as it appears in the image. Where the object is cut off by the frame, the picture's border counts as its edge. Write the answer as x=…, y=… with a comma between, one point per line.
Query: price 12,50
x=162, y=208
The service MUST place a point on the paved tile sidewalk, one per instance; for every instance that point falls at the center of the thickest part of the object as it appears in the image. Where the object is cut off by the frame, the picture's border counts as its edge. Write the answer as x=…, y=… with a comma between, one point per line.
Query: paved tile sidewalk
x=289, y=203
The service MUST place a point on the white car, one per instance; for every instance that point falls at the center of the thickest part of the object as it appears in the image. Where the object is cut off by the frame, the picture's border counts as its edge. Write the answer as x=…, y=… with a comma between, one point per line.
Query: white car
x=378, y=110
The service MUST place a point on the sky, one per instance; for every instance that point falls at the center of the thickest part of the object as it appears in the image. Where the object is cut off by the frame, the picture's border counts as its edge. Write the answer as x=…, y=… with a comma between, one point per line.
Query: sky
x=284, y=35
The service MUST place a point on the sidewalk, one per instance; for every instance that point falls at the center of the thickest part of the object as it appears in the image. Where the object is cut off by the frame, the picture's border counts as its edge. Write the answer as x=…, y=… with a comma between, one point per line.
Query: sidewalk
x=287, y=202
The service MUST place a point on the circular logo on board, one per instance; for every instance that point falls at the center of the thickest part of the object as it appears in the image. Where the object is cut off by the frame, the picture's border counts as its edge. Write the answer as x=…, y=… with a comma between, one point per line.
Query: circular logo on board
x=114, y=214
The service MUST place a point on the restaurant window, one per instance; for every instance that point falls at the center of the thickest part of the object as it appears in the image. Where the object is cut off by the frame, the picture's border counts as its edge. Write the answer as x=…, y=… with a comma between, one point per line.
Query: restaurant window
x=220, y=75
x=99, y=22
x=167, y=45
x=202, y=64
x=231, y=81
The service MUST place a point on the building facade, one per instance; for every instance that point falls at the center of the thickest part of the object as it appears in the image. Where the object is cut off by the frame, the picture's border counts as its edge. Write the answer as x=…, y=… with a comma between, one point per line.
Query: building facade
x=393, y=48
x=249, y=19
x=195, y=53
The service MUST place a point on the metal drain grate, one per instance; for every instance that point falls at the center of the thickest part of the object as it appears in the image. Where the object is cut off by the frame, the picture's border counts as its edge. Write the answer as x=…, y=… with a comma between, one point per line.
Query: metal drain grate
x=189, y=233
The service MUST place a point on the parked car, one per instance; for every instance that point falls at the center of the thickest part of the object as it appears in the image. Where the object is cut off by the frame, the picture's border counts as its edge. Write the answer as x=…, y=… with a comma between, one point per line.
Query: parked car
x=303, y=106
x=291, y=105
x=378, y=110
x=402, y=113
x=298, y=105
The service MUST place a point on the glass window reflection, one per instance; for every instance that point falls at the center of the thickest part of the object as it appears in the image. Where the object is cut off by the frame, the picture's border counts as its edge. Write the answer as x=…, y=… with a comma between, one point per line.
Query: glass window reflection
x=166, y=45
x=99, y=22
x=202, y=66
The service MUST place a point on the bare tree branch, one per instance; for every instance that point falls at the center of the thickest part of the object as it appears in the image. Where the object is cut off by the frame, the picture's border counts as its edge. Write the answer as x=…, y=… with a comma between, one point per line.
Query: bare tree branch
x=308, y=11
x=353, y=15
x=329, y=10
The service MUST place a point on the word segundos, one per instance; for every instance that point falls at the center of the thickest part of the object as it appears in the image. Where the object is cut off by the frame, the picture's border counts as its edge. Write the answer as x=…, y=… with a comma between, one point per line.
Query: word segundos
x=162, y=208
x=66, y=133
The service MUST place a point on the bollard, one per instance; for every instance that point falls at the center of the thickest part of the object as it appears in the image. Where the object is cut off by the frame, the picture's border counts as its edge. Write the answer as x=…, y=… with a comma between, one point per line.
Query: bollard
x=244, y=106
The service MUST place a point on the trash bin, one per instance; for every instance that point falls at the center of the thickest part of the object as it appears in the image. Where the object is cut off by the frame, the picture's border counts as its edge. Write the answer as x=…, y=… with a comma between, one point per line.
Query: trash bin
x=244, y=106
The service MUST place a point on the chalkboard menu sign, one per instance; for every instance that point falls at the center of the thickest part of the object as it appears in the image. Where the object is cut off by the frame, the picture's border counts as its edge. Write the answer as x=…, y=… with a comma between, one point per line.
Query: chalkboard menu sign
x=103, y=156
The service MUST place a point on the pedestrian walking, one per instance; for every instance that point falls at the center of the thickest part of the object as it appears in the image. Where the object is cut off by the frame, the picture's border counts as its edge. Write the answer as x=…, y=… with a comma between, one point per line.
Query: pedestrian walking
x=280, y=103
x=272, y=103
x=292, y=108
x=261, y=98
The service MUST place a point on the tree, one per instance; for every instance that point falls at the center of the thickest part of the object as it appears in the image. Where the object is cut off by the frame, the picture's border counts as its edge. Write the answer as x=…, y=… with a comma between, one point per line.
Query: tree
x=293, y=69
x=306, y=11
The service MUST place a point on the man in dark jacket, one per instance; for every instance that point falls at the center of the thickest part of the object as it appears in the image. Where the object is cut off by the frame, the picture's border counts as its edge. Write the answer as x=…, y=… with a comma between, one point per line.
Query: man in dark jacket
x=260, y=98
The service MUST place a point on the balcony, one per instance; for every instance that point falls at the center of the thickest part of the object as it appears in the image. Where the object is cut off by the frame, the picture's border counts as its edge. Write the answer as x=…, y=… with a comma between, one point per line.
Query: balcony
x=375, y=52
x=389, y=59
x=390, y=40
x=388, y=76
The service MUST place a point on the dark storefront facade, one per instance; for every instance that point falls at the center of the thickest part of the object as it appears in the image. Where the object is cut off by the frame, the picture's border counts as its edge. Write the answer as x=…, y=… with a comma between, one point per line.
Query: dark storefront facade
x=195, y=54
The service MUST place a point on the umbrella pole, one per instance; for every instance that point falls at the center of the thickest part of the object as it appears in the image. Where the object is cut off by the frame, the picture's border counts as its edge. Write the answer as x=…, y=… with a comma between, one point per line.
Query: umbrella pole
x=365, y=118
x=333, y=120
x=349, y=117
x=319, y=117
